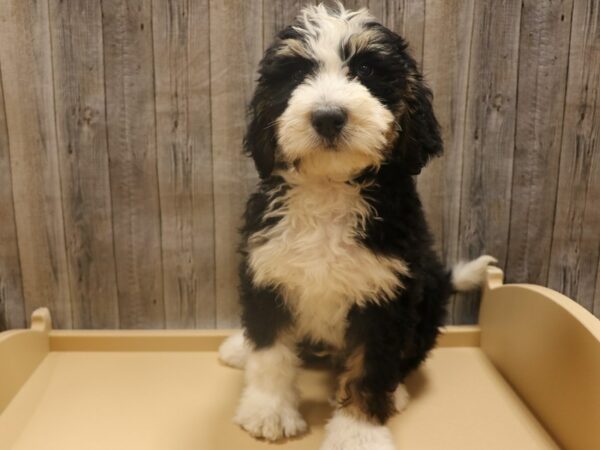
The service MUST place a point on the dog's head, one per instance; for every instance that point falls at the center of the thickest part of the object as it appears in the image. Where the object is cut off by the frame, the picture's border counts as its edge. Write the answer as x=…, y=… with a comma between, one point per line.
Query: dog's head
x=339, y=93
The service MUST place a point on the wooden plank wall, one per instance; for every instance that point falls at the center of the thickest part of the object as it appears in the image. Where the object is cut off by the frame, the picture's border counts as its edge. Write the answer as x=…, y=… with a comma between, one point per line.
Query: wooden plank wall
x=122, y=180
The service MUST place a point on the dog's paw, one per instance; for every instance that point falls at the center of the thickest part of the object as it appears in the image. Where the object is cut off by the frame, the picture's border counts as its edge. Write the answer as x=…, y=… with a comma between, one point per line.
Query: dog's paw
x=234, y=350
x=401, y=398
x=264, y=415
x=344, y=432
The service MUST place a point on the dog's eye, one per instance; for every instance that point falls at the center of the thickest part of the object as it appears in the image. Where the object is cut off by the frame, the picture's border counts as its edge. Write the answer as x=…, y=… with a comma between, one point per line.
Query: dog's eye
x=299, y=75
x=364, y=71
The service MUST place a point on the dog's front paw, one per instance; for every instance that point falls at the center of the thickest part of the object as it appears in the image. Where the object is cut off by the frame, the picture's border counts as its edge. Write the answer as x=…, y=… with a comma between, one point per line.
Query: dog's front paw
x=344, y=432
x=264, y=415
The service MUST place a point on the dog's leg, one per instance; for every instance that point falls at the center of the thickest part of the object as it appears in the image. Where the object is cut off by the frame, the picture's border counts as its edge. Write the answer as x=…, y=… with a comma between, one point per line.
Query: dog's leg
x=269, y=404
x=363, y=408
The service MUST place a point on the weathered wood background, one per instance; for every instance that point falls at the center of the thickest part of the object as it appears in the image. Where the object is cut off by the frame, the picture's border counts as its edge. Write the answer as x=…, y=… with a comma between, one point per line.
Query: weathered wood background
x=122, y=180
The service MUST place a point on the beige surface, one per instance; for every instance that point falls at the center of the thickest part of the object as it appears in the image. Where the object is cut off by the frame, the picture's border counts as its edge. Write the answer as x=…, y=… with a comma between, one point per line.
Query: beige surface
x=21, y=352
x=185, y=400
x=548, y=348
x=157, y=390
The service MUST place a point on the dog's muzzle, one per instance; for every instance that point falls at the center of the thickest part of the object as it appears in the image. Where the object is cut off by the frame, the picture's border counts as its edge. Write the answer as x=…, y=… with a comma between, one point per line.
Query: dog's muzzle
x=329, y=121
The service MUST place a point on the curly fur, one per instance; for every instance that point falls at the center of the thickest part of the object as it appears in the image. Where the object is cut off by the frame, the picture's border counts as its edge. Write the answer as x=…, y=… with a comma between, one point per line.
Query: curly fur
x=336, y=250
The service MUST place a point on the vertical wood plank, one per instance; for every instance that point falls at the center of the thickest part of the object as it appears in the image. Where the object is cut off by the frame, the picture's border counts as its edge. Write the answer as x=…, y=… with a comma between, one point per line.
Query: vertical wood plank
x=182, y=79
x=12, y=307
x=446, y=56
x=352, y=5
x=157, y=187
x=129, y=70
x=489, y=138
x=76, y=32
x=543, y=52
x=448, y=35
x=405, y=17
x=278, y=14
x=235, y=50
x=576, y=236
x=378, y=8
x=25, y=57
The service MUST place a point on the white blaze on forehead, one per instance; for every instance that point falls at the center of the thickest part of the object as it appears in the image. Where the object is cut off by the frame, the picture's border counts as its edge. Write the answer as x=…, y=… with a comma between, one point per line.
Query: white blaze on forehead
x=326, y=32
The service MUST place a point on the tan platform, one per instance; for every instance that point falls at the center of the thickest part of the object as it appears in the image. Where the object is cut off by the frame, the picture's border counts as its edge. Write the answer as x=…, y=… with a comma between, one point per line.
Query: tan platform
x=527, y=378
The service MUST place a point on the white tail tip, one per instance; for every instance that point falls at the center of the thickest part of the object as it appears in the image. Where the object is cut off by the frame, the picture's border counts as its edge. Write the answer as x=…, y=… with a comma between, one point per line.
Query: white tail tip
x=467, y=276
x=234, y=350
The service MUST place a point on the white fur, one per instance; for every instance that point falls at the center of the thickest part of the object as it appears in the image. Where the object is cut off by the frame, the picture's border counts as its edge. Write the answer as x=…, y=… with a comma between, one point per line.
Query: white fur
x=313, y=256
x=370, y=124
x=312, y=253
x=269, y=404
x=323, y=31
x=363, y=139
x=344, y=432
x=401, y=398
x=234, y=350
x=467, y=276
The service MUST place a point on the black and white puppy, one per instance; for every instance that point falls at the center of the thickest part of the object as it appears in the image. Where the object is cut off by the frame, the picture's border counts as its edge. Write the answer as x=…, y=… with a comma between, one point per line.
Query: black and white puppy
x=336, y=251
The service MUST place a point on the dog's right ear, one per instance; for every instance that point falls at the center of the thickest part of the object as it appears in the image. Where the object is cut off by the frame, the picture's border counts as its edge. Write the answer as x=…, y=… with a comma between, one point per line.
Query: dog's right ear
x=260, y=141
x=269, y=101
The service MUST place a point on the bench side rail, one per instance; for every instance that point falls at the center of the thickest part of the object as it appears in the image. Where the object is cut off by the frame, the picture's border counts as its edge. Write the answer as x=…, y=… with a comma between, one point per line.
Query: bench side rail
x=21, y=351
x=548, y=347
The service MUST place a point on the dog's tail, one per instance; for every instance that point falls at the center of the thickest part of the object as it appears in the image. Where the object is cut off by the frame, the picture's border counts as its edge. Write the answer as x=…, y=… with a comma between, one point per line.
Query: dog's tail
x=468, y=276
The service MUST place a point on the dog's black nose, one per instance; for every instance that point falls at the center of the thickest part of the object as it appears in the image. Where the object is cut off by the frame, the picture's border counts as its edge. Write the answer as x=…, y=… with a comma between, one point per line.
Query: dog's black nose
x=329, y=121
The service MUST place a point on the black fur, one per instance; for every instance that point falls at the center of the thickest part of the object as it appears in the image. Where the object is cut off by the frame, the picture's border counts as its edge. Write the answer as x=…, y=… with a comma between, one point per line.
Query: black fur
x=397, y=83
x=278, y=77
x=264, y=313
x=398, y=334
x=420, y=138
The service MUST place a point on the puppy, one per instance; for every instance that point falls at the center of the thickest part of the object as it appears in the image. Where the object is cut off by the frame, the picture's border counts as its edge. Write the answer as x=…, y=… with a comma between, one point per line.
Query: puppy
x=336, y=253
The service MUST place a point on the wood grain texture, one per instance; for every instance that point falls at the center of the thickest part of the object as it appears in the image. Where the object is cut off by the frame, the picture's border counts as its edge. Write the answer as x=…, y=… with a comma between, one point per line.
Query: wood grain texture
x=129, y=79
x=576, y=236
x=278, y=14
x=76, y=33
x=182, y=80
x=405, y=17
x=25, y=58
x=12, y=314
x=446, y=62
x=489, y=138
x=122, y=179
x=447, y=46
x=350, y=4
x=544, y=49
x=235, y=50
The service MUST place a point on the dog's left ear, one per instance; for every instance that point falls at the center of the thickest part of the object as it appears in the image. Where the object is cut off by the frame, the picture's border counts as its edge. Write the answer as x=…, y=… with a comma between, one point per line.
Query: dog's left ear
x=260, y=141
x=419, y=137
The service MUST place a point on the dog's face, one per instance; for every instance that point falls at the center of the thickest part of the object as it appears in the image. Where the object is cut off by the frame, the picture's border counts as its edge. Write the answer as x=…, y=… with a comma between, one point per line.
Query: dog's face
x=338, y=93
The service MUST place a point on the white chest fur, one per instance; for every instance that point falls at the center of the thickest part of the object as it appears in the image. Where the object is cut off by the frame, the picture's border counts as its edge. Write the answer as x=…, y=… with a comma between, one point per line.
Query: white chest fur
x=312, y=254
